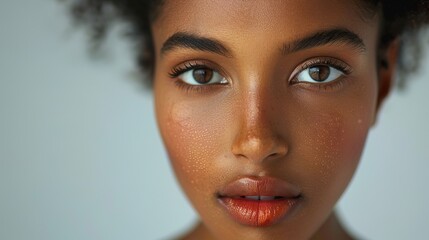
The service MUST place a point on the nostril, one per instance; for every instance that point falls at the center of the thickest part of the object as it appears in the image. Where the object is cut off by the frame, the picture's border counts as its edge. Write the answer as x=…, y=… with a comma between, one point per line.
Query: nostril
x=272, y=155
x=277, y=152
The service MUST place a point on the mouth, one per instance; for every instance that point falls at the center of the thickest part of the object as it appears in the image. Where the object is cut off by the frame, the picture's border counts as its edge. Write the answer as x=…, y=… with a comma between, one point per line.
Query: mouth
x=259, y=201
x=262, y=198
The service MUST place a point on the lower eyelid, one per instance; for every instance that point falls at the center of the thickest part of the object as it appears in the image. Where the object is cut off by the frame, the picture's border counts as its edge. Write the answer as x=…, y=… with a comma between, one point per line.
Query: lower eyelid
x=187, y=88
x=328, y=86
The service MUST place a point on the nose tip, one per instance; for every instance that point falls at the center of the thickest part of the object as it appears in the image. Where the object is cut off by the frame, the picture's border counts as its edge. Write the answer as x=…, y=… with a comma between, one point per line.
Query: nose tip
x=259, y=149
x=260, y=127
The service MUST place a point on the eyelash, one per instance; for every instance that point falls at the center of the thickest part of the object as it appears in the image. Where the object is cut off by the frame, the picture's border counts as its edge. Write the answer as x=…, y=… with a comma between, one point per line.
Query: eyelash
x=326, y=61
x=331, y=62
x=177, y=71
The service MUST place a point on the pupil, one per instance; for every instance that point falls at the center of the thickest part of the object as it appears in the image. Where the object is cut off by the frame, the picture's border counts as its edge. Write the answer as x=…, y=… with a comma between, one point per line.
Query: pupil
x=202, y=75
x=319, y=73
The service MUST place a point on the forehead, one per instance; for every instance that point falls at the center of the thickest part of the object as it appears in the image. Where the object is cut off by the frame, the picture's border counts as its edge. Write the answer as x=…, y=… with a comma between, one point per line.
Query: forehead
x=251, y=15
x=262, y=23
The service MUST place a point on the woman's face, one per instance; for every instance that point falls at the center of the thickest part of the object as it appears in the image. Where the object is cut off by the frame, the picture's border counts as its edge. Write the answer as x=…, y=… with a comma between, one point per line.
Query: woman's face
x=265, y=98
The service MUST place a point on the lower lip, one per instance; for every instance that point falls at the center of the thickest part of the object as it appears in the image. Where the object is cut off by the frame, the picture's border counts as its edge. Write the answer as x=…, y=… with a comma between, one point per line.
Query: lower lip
x=259, y=213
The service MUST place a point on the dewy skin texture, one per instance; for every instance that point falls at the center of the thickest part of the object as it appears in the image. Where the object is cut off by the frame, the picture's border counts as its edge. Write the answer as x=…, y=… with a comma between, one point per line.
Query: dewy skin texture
x=275, y=96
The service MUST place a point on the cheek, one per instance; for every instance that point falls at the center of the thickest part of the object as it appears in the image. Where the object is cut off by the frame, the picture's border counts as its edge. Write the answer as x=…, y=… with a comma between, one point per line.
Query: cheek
x=333, y=138
x=192, y=141
x=328, y=147
x=337, y=142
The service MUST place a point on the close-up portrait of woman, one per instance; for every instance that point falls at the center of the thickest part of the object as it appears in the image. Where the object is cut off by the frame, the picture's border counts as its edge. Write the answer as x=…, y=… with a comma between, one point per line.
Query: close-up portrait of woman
x=263, y=110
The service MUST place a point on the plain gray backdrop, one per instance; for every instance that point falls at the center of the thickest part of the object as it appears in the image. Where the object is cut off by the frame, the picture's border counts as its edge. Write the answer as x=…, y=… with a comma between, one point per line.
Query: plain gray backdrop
x=80, y=155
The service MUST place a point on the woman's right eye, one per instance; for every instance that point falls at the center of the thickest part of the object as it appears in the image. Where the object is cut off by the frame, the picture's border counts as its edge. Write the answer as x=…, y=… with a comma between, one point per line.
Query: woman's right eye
x=202, y=76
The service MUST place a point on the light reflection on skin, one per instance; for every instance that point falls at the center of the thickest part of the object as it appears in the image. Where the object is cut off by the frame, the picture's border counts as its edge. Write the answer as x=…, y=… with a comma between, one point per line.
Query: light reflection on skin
x=217, y=133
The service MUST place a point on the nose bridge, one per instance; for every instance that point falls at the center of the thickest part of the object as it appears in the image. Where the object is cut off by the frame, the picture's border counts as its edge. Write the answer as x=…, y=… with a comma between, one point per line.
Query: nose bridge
x=257, y=138
x=256, y=92
x=255, y=111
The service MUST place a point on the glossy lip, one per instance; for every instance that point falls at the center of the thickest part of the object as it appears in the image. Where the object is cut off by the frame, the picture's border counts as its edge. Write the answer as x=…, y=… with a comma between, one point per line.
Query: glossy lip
x=279, y=200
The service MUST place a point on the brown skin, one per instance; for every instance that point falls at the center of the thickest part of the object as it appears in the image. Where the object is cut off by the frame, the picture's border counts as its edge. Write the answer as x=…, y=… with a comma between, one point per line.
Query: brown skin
x=259, y=124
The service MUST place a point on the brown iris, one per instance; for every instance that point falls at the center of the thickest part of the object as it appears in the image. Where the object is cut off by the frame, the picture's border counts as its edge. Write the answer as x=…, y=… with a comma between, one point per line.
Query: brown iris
x=319, y=73
x=202, y=75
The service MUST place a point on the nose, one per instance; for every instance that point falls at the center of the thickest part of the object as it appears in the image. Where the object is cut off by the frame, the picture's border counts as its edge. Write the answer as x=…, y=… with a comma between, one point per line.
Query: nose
x=256, y=138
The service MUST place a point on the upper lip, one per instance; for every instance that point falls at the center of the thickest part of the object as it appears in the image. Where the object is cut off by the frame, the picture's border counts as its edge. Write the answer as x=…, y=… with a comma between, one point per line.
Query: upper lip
x=259, y=186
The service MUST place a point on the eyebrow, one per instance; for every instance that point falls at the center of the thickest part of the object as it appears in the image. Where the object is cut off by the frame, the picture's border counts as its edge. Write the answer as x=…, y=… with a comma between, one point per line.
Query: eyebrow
x=192, y=41
x=325, y=37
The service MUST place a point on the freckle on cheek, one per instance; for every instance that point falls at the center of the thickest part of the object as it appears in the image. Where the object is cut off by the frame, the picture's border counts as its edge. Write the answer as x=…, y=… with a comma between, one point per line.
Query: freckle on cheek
x=327, y=142
x=340, y=141
x=189, y=144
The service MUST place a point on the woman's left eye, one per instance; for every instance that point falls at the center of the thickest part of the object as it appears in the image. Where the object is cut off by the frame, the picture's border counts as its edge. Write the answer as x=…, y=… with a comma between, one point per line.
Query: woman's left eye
x=319, y=74
x=202, y=76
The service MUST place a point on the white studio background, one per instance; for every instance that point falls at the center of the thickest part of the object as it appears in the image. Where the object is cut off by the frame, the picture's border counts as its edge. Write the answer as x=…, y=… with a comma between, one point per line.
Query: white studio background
x=80, y=156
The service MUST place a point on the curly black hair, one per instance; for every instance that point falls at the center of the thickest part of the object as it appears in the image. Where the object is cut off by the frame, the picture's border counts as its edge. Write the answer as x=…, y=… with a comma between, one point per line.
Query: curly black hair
x=398, y=17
